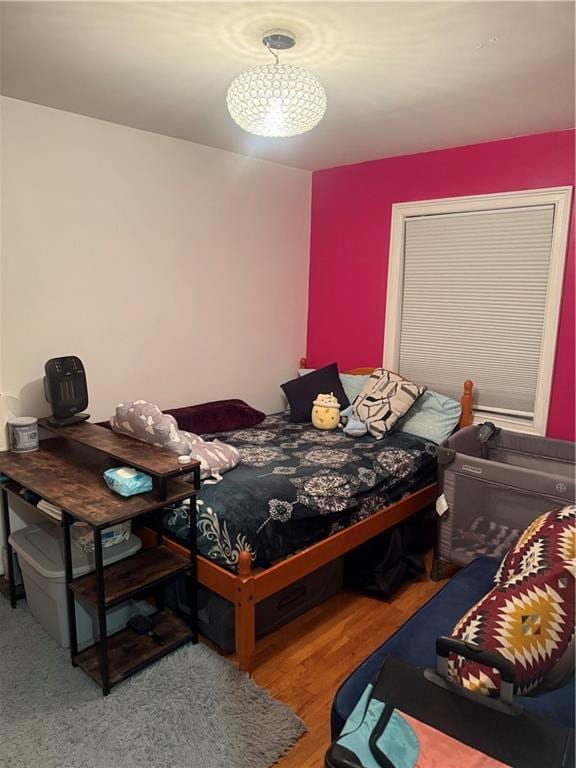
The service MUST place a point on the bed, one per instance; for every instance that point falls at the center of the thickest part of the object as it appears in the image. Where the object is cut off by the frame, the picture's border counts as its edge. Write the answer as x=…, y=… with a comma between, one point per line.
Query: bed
x=300, y=498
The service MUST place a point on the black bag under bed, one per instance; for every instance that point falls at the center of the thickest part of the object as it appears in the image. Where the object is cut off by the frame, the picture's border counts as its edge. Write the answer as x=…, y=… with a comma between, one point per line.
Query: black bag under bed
x=493, y=490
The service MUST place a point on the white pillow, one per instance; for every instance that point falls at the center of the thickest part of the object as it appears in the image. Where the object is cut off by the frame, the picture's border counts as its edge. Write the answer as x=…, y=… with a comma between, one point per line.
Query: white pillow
x=384, y=399
x=351, y=382
x=433, y=417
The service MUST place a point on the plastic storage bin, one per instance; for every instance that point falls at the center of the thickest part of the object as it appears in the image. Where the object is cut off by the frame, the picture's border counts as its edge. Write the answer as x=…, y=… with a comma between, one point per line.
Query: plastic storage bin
x=40, y=551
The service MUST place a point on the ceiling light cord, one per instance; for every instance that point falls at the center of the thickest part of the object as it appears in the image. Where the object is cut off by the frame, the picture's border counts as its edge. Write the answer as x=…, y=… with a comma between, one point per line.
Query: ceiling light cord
x=272, y=51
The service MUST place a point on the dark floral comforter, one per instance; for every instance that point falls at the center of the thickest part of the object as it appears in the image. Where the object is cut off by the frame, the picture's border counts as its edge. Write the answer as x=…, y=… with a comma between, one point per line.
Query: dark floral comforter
x=296, y=485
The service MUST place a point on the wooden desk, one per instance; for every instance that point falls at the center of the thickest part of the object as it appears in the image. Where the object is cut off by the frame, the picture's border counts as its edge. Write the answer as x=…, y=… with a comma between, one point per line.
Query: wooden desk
x=67, y=471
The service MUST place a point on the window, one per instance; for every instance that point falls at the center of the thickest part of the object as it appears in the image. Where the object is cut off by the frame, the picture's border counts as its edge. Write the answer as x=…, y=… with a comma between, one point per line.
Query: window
x=474, y=291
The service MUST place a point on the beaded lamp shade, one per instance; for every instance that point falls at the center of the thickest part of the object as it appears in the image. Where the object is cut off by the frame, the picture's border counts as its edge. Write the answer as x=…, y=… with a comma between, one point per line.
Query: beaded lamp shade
x=276, y=100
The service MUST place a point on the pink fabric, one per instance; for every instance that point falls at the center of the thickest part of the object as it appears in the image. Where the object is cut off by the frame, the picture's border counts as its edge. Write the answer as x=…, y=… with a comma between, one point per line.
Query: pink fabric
x=437, y=750
x=351, y=207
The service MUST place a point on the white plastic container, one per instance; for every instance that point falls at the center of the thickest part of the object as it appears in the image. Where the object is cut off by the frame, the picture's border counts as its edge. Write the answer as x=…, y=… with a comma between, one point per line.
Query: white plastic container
x=23, y=433
x=116, y=534
x=40, y=551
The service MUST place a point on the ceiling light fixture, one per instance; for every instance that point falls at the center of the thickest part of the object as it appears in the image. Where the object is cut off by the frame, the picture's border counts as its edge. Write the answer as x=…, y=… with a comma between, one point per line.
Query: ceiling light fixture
x=276, y=100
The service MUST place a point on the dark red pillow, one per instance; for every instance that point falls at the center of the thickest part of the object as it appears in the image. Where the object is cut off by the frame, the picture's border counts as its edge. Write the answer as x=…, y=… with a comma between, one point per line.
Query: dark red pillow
x=219, y=416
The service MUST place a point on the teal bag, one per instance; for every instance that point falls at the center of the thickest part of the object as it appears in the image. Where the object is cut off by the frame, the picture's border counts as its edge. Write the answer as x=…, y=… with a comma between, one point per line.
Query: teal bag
x=374, y=736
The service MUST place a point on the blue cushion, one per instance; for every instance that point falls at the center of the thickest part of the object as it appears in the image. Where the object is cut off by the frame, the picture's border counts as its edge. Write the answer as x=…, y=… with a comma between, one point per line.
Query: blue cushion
x=432, y=417
x=353, y=383
x=415, y=641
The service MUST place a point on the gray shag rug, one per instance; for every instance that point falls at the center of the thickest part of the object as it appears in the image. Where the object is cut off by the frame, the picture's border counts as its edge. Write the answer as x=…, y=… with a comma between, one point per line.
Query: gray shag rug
x=192, y=709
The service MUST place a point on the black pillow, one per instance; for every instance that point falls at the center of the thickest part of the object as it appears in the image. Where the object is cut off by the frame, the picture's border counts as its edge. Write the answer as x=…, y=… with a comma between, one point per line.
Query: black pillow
x=302, y=392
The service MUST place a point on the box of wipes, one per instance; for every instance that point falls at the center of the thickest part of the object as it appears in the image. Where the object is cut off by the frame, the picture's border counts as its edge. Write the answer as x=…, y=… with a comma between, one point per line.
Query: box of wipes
x=127, y=481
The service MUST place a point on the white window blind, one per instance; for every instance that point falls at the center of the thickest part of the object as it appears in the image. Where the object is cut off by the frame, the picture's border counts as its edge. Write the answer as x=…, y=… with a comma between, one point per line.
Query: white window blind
x=474, y=294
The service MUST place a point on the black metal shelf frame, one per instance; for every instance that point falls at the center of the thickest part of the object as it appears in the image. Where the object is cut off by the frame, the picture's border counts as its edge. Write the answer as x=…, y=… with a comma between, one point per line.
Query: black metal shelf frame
x=102, y=606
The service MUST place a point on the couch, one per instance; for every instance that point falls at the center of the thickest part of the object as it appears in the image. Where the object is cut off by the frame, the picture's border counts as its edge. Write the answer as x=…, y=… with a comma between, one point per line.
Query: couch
x=415, y=642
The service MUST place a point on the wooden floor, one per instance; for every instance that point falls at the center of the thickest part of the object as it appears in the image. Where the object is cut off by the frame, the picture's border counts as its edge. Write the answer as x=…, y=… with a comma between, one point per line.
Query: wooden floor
x=304, y=662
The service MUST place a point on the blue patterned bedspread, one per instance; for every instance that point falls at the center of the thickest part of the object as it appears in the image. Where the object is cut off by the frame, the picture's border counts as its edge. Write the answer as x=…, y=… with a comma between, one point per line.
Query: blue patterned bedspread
x=296, y=485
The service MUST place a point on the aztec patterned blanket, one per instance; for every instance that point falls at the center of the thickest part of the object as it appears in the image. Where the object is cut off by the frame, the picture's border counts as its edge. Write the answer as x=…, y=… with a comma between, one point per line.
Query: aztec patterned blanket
x=296, y=485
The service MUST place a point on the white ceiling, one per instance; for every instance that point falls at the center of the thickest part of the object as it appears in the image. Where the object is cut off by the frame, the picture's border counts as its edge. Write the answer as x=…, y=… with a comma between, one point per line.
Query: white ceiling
x=401, y=77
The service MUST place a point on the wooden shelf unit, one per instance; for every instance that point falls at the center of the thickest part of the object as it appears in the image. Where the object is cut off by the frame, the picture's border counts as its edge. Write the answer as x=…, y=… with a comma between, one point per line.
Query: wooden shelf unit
x=126, y=578
x=129, y=652
x=70, y=477
x=128, y=450
x=67, y=471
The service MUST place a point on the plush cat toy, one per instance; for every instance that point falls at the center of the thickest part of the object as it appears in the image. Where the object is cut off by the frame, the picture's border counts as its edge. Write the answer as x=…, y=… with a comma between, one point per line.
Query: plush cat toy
x=352, y=427
x=326, y=412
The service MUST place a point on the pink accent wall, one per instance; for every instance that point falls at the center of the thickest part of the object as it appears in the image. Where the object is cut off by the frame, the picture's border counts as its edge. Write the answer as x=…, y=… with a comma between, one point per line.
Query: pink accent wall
x=350, y=233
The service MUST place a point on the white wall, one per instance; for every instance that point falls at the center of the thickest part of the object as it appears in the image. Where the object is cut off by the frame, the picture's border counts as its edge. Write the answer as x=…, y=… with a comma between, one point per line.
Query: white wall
x=177, y=272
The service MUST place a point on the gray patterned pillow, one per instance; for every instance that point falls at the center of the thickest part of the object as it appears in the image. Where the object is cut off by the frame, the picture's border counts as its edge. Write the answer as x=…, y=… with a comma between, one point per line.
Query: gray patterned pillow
x=384, y=399
x=145, y=421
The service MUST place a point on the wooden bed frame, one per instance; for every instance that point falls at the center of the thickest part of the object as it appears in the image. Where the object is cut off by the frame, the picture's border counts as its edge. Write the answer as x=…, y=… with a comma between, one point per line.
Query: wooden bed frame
x=250, y=586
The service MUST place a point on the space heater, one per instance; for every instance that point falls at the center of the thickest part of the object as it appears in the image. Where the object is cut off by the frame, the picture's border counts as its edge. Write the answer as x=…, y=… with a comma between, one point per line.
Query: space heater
x=66, y=391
